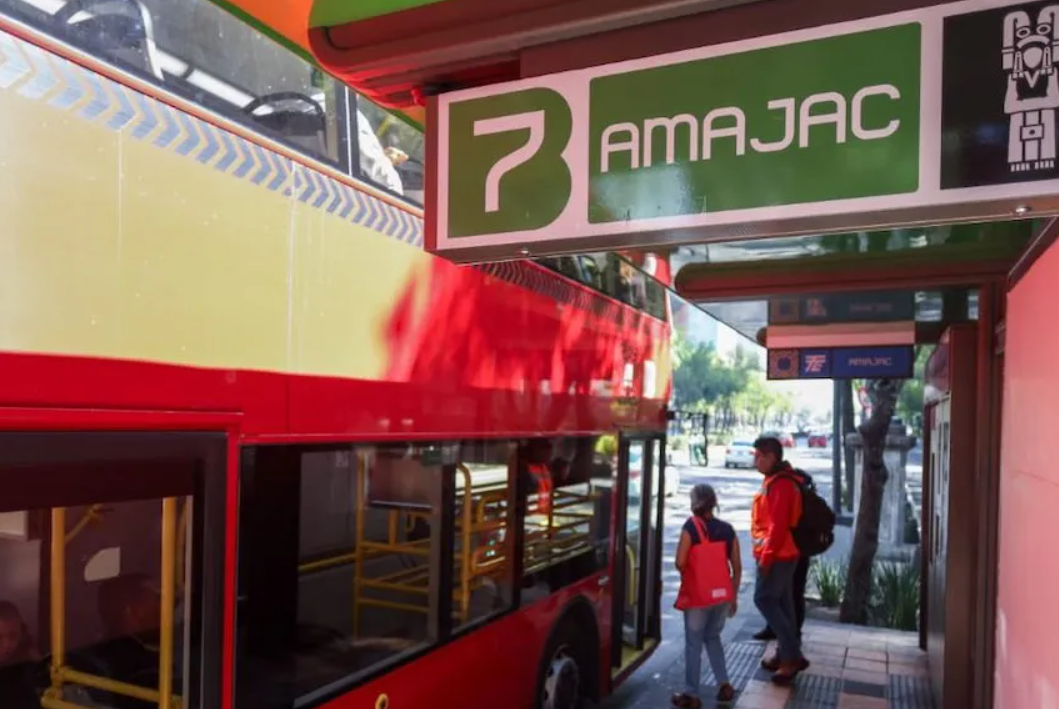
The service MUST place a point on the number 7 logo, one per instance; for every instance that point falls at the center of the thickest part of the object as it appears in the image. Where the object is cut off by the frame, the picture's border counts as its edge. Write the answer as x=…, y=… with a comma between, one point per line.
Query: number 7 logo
x=505, y=162
x=532, y=121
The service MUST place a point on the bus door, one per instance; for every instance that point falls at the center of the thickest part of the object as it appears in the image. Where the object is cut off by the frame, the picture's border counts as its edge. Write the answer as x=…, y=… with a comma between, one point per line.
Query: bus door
x=112, y=548
x=637, y=551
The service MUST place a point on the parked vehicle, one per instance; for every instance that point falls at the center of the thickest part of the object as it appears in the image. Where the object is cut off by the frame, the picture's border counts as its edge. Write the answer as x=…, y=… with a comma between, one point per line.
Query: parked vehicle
x=818, y=440
x=672, y=481
x=739, y=454
x=786, y=440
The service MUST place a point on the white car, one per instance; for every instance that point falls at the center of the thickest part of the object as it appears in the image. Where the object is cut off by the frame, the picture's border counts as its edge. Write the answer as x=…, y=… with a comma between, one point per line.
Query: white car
x=672, y=480
x=739, y=454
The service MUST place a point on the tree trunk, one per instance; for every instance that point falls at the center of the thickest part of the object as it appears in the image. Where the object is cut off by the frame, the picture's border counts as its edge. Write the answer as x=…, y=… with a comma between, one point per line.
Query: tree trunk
x=848, y=426
x=857, y=598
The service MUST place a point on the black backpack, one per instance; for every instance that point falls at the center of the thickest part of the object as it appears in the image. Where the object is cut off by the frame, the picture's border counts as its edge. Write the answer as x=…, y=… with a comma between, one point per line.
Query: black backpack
x=815, y=532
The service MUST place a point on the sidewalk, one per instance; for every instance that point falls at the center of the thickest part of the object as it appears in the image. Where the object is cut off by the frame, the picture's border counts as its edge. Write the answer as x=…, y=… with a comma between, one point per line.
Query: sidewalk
x=852, y=668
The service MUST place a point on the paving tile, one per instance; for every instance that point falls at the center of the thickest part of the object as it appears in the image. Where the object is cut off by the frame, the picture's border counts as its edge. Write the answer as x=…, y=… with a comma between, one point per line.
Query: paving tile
x=866, y=677
x=743, y=660
x=866, y=665
x=862, y=654
x=745, y=634
x=763, y=695
x=814, y=692
x=821, y=670
x=916, y=670
x=910, y=693
x=852, y=701
x=865, y=689
x=825, y=649
x=909, y=656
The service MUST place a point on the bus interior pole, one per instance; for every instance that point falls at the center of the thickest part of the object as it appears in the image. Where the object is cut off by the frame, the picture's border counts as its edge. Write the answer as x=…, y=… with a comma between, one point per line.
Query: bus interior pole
x=836, y=445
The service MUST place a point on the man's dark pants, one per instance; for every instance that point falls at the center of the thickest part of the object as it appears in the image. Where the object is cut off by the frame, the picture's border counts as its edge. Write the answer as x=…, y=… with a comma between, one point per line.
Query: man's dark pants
x=801, y=577
x=774, y=597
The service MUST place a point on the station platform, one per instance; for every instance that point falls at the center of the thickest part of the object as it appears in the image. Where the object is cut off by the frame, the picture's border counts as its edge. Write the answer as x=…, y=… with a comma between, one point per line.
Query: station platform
x=852, y=668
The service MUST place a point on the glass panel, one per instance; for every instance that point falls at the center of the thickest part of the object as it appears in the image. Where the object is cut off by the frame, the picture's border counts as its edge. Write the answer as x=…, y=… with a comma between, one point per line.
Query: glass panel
x=566, y=538
x=108, y=630
x=338, y=556
x=945, y=241
x=200, y=51
x=653, y=550
x=634, y=554
x=391, y=151
x=612, y=275
x=483, y=583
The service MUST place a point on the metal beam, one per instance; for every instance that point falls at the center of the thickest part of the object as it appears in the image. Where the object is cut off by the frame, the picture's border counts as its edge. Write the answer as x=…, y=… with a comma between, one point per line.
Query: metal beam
x=912, y=276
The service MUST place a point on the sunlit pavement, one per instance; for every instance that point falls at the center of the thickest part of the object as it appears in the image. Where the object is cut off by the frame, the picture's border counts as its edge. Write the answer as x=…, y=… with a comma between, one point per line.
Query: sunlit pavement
x=852, y=668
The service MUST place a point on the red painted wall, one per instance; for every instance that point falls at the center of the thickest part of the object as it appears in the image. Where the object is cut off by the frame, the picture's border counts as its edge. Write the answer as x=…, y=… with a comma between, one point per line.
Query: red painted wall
x=1028, y=614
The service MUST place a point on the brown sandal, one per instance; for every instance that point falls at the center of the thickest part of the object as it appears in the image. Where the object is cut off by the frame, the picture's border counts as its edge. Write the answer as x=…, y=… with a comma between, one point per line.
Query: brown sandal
x=725, y=694
x=686, y=701
x=789, y=671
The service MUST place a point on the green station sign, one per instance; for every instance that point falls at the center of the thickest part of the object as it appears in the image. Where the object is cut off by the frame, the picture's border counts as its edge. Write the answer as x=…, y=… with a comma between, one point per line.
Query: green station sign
x=942, y=107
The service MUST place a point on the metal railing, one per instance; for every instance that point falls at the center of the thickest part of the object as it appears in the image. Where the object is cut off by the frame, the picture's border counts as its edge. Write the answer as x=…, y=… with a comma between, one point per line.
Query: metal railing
x=61, y=674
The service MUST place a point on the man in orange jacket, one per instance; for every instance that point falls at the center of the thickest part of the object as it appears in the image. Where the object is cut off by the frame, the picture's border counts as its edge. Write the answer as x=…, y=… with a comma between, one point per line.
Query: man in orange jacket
x=777, y=509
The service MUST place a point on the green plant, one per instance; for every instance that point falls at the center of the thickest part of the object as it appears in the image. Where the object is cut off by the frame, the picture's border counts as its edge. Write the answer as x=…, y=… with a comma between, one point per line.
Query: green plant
x=829, y=577
x=677, y=442
x=895, y=595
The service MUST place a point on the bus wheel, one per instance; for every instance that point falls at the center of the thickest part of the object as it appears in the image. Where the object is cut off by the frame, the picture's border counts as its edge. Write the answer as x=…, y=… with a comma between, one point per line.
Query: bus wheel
x=562, y=683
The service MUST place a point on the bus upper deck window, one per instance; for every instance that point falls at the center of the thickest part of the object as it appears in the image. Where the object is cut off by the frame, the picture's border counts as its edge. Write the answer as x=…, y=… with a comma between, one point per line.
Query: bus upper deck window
x=120, y=29
x=300, y=118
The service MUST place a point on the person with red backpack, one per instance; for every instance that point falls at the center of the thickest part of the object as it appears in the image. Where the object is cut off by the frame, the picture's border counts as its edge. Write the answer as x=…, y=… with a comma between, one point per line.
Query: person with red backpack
x=776, y=511
x=710, y=573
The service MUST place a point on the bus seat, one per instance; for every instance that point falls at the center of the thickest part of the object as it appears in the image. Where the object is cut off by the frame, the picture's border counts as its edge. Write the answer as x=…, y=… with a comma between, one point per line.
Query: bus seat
x=294, y=116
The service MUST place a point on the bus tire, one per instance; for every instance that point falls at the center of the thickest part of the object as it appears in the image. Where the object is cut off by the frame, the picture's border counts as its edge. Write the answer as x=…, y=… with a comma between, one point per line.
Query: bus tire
x=567, y=671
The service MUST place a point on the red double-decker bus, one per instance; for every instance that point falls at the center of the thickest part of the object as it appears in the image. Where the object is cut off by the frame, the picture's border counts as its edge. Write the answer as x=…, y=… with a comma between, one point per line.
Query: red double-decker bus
x=258, y=449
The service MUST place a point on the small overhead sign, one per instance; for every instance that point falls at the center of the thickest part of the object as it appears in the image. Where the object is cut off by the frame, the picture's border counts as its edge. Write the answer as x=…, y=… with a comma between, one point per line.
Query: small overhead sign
x=891, y=362
x=856, y=307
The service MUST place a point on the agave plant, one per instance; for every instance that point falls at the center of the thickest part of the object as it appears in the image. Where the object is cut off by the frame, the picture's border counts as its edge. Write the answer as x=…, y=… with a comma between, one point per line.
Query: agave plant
x=829, y=577
x=895, y=602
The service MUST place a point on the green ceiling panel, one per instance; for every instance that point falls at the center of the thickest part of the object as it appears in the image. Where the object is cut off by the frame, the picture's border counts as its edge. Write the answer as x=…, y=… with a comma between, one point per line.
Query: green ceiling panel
x=331, y=13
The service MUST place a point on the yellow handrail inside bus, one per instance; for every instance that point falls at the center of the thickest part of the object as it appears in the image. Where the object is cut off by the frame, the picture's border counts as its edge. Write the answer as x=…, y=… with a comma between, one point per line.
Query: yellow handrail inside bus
x=61, y=674
x=630, y=556
x=481, y=521
x=91, y=515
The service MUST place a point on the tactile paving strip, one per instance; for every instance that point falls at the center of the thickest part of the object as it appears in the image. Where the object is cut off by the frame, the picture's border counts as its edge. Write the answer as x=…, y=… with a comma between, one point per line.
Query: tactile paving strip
x=743, y=661
x=815, y=692
x=910, y=693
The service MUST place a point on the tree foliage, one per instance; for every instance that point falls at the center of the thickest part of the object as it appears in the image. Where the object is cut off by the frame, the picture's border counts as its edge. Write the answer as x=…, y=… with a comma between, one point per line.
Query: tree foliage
x=732, y=388
x=910, y=400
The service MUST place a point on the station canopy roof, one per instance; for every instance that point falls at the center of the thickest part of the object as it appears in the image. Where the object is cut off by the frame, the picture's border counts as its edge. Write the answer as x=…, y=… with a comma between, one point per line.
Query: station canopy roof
x=398, y=51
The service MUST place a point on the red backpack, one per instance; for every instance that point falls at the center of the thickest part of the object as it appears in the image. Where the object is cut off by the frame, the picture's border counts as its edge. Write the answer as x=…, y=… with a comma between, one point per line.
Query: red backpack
x=706, y=580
